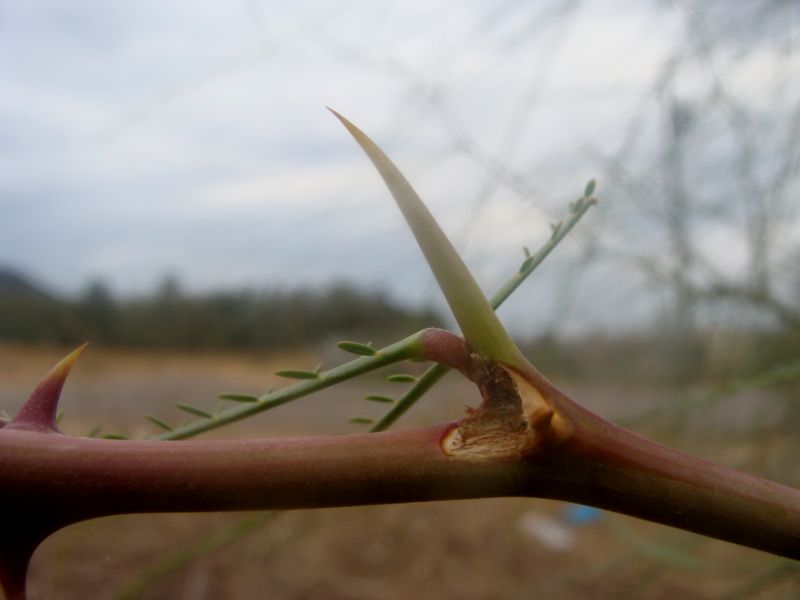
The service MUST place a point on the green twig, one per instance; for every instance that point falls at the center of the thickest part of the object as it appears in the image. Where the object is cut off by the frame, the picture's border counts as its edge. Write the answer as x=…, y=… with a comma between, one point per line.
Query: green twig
x=577, y=210
x=407, y=349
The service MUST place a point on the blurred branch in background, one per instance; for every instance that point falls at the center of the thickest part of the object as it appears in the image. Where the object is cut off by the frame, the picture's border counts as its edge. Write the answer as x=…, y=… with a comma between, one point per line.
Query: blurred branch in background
x=724, y=198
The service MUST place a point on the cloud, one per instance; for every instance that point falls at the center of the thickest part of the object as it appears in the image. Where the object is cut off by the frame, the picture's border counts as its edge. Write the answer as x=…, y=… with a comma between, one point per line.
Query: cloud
x=142, y=138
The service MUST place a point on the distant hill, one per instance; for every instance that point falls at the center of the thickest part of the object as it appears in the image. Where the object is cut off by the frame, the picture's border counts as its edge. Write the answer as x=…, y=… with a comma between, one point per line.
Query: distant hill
x=30, y=313
x=15, y=284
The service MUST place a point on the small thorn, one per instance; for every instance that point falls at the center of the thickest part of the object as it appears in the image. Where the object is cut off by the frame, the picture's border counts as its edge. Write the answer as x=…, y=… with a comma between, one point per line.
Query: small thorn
x=361, y=421
x=40, y=411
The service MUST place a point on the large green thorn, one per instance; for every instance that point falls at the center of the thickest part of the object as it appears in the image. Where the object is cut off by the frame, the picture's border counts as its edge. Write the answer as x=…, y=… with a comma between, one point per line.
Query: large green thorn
x=479, y=324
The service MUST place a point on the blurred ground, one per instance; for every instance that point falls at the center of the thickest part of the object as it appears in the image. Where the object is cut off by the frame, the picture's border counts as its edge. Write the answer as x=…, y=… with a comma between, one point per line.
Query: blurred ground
x=504, y=548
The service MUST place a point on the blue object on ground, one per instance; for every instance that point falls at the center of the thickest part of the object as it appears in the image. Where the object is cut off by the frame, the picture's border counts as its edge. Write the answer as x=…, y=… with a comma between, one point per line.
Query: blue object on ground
x=577, y=514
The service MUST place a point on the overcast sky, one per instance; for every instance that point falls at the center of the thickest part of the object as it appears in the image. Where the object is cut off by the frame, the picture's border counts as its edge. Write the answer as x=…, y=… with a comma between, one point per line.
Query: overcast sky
x=146, y=138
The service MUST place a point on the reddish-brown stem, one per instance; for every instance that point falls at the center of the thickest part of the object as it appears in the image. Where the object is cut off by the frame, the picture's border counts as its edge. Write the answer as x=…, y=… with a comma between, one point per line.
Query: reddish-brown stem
x=51, y=480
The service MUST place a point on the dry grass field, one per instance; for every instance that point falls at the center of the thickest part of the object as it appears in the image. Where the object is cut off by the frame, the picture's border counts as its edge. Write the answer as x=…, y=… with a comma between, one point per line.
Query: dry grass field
x=503, y=548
